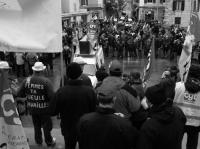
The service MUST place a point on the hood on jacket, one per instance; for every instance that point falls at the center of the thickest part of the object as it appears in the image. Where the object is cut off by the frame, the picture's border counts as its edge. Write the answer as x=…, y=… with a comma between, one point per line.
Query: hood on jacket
x=111, y=84
x=166, y=113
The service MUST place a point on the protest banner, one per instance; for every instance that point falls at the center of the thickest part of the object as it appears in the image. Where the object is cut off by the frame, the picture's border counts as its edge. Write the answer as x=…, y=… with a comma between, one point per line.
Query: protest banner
x=12, y=135
x=30, y=26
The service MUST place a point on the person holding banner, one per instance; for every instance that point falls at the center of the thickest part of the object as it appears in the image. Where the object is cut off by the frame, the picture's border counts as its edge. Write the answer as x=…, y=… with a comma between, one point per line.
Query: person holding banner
x=12, y=135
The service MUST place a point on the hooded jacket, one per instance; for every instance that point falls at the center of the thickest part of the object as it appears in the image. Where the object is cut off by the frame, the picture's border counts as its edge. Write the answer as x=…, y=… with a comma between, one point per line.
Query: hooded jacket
x=105, y=130
x=163, y=129
x=187, y=97
x=127, y=100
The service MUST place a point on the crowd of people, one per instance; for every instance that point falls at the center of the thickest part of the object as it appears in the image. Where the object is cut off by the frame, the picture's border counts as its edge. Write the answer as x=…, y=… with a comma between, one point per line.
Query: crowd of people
x=22, y=63
x=119, y=113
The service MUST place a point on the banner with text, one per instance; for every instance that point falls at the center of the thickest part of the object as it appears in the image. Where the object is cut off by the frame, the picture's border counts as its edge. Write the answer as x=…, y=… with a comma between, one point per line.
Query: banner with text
x=30, y=26
x=12, y=135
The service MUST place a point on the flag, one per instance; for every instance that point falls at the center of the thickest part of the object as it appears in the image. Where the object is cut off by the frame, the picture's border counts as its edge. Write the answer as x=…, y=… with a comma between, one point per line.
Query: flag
x=148, y=69
x=194, y=26
x=12, y=134
x=30, y=26
x=185, y=58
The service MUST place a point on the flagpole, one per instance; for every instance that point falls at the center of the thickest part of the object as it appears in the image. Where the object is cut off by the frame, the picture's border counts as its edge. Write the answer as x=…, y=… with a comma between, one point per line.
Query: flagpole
x=61, y=69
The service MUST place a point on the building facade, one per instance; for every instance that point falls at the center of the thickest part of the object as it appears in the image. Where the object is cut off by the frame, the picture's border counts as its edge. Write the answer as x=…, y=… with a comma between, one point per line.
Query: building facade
x=152, y=10
x=73, y=13
x=94, y=7
x=168, y=12
x=178, y=12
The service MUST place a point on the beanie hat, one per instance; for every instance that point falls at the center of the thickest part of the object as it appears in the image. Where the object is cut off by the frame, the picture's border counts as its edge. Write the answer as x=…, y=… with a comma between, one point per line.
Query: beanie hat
x=74, y=71
x=192, y=84
x=194, y=71
x=115, y=67
x=156, y=94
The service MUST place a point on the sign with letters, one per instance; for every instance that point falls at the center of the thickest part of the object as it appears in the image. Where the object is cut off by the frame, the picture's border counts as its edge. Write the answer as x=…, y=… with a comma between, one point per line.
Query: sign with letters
x=12, y=135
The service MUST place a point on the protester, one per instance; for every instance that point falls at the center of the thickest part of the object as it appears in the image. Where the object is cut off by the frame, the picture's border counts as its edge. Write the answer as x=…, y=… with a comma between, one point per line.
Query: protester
x=101, y=74
x=31, y=58
x=127, y=100
x=83, y=77
x=164, y=127
x=187, y=97
x=20, y=62
x=136, y=83
x=38, y=91
x=71, y=102
x=105, y=129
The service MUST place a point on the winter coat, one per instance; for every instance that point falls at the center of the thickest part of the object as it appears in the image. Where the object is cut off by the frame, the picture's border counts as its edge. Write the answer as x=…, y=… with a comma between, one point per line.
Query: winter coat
x=187, y=97
x=38, y=91
x=105, y=130
x=164, y=129
x=127, y=100
x=71, y=102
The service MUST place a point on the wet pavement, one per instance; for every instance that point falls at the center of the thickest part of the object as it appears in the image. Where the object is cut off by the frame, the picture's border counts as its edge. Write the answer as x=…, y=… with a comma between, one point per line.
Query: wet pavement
x=128, y=66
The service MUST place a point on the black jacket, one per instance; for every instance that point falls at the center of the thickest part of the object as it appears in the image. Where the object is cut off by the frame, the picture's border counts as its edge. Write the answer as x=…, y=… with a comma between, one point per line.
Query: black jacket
x=163, y=129
x=72, y=101
x=105, y=130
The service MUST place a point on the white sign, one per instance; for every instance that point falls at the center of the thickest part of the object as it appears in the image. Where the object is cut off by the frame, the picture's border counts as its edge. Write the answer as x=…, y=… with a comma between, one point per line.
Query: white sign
x=10, y=5
x=30, y=26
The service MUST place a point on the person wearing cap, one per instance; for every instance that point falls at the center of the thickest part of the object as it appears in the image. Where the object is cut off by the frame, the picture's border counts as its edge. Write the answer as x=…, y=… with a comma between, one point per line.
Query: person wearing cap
x=4, y=68
x=164, y=127
x=38, y=91
x=187, y=97
x=127, y=100
x=105, y=129
x=71, y=102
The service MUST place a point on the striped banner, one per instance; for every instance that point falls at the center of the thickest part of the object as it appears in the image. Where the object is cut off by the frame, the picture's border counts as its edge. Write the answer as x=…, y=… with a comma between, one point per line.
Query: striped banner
x=149, y=65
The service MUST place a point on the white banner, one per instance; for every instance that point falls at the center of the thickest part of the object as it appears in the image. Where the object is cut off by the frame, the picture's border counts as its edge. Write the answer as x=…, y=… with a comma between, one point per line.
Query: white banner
x=185, y=58
x=30, y=26
x=12, y=135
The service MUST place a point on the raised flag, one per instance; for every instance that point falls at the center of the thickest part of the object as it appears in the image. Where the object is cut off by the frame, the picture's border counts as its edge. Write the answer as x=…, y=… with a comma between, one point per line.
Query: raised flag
x=30, y=26
x=185, y=58
x=12, y=135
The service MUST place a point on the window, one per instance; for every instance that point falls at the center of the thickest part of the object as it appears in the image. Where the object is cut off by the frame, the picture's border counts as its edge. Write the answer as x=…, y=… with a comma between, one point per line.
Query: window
x=162, y=1
x=178, y=5
x=178, y=20
x=149, y=1
x=84, y=2
x=195, y=6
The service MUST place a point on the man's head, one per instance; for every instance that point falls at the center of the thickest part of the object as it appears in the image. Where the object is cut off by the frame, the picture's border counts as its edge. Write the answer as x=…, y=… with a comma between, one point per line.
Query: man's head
x=115, y=68
x=160, y=93
x=74, y=71
x=192, y=83
x=80, y=61
x=106, y=98
x=4, y=67
x=38, y=68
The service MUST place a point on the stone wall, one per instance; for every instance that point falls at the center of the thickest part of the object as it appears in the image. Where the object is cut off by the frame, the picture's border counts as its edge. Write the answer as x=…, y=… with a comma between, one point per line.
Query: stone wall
x=170, y=15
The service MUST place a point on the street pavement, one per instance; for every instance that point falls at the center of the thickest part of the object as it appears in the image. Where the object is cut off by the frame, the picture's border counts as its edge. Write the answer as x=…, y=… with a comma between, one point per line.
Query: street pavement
x=128, y=66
